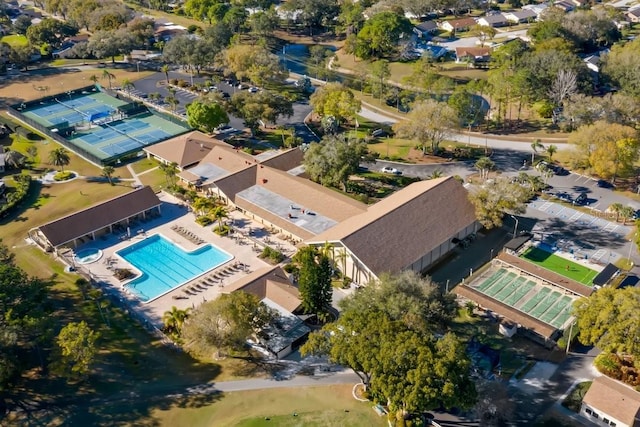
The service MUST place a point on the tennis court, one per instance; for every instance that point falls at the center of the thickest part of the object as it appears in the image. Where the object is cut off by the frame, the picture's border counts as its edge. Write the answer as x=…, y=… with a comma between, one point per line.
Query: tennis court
x=102, y=128
x=559, y=265
x=523, y=294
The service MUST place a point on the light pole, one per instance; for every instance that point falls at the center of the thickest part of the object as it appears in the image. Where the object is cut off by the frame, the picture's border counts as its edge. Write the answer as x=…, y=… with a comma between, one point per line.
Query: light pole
x=515, y=229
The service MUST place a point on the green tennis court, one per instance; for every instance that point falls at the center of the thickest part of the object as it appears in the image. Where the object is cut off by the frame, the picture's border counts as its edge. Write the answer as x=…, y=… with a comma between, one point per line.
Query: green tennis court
x=561, y=266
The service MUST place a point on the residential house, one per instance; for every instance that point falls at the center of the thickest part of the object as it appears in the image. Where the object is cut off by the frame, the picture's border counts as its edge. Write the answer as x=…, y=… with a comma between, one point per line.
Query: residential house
x=497, y=20
x=435, y=51
x=520, y=16
x=169, y=30
x=611, y=403
x=565, y=5
x=272, y=285
x=425, y=29
x=473, y=55
x=2, y=162
x=580, y=3
x=455, y=25
x=634, y=15
x=538, y=9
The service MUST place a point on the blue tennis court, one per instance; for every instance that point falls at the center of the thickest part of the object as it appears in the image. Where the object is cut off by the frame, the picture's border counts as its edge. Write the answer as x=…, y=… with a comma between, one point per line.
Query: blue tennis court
x=101, y=126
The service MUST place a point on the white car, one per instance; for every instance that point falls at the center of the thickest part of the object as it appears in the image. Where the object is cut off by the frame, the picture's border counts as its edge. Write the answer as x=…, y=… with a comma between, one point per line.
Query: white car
x=253, y=89
x=389, y=169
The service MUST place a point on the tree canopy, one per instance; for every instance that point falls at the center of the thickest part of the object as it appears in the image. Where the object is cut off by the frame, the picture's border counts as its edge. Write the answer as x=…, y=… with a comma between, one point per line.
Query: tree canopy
x=386, y=335
x=206, y=115
x=253, y=62
x=333, y=160
x=335, y=99
x=225, y=323
x=608, y=319
x=430, y=122
x=495, y=198
x=77, y=346
x=609, y=149
x=266, y=106
x=314, y=281
x=380, y=34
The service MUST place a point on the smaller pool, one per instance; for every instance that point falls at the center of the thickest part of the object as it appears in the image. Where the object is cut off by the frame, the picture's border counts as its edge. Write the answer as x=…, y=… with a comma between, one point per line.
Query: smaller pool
x=87, y=256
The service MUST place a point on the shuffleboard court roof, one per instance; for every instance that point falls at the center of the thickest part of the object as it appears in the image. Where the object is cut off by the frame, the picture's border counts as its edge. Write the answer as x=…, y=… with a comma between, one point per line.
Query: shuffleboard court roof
x=96, y=217
x=510, y=313
x=547, y=275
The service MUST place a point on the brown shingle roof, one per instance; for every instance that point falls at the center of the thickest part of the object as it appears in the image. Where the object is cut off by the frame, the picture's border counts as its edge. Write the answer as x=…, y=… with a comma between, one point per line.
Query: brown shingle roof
x=614, y=399
x=510, y=313
x=472, y=51
x=304, y=193
x=271, y=283
x=462, y=22
x=286, y=160
x=96, y=217
x=400, y=229
x=544, y=274
x=185, y=150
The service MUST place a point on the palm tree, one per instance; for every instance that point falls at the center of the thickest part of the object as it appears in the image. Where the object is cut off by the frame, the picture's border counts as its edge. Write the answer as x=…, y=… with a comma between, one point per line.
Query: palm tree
x=107, y=75
x=174, y=319
x=438, y=173
x=551, y=150
x=127, y=85
x=170, y=171
x=535, y=145
x=202, y=205
x=219, y=213
x=32, y=151
x=626, y=212
x=59, y=157
x=617, y=208
x=173, y=101
x=14, y=158
x=165, y=70
x=94, y=79
x=108, y=172
x=484, y=165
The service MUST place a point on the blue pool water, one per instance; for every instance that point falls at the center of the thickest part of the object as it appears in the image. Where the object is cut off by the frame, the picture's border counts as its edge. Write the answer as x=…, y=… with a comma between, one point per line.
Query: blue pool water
x=165, y=266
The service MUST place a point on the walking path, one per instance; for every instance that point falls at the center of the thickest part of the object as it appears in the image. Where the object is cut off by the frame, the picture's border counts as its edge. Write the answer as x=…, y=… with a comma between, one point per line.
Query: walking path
x=136, y=180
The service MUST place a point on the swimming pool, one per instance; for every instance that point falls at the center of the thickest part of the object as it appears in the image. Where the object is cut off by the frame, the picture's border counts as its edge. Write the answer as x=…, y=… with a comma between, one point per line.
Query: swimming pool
x=165, y=266
x=87, y=256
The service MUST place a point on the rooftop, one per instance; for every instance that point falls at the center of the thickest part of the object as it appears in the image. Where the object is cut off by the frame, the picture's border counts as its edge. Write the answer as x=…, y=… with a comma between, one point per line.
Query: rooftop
x=614, y=399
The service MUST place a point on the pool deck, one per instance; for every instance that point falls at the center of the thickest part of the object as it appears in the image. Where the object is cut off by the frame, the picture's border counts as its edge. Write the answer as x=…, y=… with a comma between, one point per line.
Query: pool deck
x=244, y=250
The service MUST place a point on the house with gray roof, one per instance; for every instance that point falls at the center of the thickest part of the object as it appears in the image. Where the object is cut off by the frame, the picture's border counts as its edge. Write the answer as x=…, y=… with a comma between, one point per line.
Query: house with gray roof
x=521, y=16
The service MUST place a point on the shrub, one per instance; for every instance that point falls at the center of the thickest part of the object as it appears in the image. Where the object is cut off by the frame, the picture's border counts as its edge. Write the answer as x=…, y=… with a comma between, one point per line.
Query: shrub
x=222, y=231
x=16, y=196
x=122, y=273
x=182, y=83
x=173, y=81
x=204, y=220
x=272, y=255
x=63, y=176
x=544, y=109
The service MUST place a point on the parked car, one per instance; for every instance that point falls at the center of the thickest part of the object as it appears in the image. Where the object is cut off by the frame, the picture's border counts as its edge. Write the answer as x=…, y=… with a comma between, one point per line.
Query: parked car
x=253, y=89
x=582, y=199
x=378, y=133
x=389, y=169
x=604, y=184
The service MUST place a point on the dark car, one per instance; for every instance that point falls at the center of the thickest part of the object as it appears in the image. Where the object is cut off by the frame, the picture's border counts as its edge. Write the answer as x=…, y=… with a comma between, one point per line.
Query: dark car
x=582, y=199
x=604, y=184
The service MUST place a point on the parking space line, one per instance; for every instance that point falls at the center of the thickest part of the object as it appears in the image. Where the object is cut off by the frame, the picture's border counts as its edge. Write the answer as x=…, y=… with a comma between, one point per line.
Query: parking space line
x=575, y=216
x=611, y=226
x=545, y=206
x=560, y=214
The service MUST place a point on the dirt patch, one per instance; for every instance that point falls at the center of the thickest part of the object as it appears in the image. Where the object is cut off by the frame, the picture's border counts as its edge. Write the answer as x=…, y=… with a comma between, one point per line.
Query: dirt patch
x=416, y=156
x=37, y=84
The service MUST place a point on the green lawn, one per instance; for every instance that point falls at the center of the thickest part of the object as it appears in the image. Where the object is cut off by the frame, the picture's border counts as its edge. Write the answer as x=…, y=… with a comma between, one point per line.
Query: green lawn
x=560, y=265
x=315, y=406
x=14, y=40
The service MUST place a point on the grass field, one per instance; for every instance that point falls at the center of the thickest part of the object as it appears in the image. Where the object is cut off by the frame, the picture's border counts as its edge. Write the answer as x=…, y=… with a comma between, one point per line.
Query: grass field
x=15, y=40
x=315, y=406
x=561, y=266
